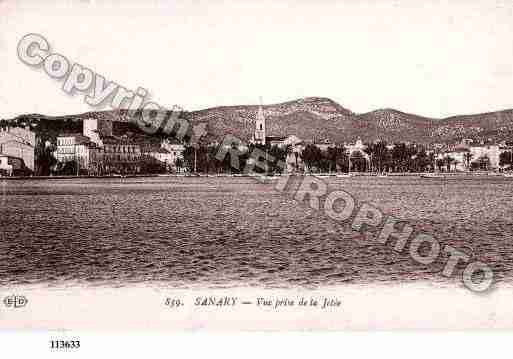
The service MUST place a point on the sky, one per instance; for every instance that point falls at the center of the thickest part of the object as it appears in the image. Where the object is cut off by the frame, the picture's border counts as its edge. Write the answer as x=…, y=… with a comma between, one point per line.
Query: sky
x=431, y=58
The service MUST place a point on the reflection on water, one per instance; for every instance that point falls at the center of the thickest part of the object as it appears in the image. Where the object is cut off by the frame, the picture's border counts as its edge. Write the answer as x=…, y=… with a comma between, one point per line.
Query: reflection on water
x=215, y=231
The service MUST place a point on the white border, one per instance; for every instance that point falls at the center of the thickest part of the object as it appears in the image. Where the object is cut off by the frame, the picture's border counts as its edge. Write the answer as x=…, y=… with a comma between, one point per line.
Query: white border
x=409, y=345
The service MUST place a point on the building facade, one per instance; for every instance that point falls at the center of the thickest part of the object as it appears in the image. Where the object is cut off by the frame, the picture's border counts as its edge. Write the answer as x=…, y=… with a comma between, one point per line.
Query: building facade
x=465, y=157
x=12, y=166
x=74, y=148
x=489, y=153
x=117, y=155
x=20, y=143
x=97, y=151
x=176, y=150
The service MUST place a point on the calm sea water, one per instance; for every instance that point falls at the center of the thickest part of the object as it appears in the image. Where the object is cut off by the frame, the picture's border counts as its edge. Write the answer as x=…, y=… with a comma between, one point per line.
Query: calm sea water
x=224, y=231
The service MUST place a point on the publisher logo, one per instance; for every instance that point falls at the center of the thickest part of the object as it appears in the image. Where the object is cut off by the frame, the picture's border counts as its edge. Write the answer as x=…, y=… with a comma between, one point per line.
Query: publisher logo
x=15, y=301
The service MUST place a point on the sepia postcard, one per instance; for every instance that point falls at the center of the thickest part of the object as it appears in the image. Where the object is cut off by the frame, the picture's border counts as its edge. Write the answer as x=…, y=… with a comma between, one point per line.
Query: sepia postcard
x=255, y=165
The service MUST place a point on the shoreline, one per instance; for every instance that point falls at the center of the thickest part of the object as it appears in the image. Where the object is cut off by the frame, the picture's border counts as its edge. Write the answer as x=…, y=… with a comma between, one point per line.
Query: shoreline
x=425, y=175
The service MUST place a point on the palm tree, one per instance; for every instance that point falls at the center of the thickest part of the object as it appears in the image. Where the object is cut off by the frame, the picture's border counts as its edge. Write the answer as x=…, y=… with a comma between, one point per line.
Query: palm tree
x=506, y=159
x=45, y=159
x=342, y=158
x=456, y=162
x=358, y=161
x=440, y=162
x=448, y=161
x=288, y=152
x=370, y=149
x=432, y=160
x=311, y=156
x=336, y=156
x=379, y=154
x=468, y=158
x=421, y=161
x=402, y=156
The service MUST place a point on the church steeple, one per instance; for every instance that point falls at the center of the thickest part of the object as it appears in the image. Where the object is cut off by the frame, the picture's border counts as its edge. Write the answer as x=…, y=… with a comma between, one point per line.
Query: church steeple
x=260, y=132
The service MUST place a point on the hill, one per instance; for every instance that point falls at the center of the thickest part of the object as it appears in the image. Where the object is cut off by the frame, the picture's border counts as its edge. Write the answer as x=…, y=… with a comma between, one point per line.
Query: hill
x=316, y=118
x=322, y=118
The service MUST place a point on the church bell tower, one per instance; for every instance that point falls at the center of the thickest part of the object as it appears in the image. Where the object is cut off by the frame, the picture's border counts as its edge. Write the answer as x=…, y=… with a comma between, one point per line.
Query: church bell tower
x=260, y=134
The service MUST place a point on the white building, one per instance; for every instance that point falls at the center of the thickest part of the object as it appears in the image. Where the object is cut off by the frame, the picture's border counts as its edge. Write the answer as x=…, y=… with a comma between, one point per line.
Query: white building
x=491, y=152
x=10, y=165
x=358, y=146
x=160, y=154
x=175, y=149
x=355, y=151
x=461, y=157
x=6, y=167
x=18, y=142
x=74, y=148
x=90, y=129
x=466, y=156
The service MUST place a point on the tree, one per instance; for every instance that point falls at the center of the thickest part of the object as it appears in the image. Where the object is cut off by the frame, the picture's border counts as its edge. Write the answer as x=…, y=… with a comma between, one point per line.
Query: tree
x=311, y=156
x=358, y=162
x=468, y=158
x=379, y=154
x=506, y=159
x=337, y=158
x=421, y=161
x=195, y=158
x=45, y=159
x=440, y=162
x=260, y=157
x=448, y=162
x=296, y=159
x=149, y=165
x=455, y=163
x=67, y=168
x=432, y=160
x=277, y=156
x=213, y=164
x=402, y=157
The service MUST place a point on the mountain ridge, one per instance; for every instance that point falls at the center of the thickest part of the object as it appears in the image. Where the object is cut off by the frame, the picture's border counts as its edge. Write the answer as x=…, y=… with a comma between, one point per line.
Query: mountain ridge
x=322, y=118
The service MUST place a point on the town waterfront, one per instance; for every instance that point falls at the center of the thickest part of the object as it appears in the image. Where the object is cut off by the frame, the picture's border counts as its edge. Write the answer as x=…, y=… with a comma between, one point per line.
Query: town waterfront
x=232, y=231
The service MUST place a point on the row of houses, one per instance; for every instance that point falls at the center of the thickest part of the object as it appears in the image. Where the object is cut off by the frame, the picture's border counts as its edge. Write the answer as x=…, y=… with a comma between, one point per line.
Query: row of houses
x=468, y=155
x=463, y=157
x=97, y=151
